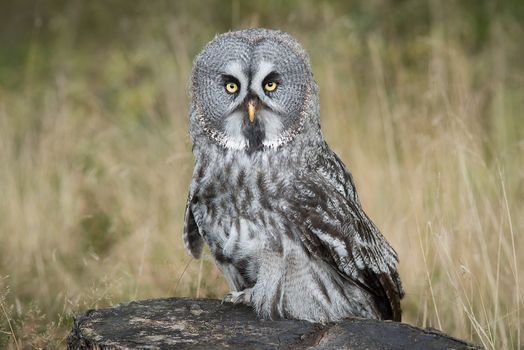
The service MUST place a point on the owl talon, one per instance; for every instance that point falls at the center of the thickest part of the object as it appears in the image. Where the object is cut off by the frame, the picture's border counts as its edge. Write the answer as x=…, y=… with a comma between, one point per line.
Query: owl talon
x=242, y=297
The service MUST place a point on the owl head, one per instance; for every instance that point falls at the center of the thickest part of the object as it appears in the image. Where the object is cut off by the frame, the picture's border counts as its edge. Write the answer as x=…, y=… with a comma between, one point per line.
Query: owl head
x=252, y=90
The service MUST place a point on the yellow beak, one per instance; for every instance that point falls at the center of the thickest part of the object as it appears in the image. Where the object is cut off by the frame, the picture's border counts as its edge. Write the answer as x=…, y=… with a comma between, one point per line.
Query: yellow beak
x=251, y=111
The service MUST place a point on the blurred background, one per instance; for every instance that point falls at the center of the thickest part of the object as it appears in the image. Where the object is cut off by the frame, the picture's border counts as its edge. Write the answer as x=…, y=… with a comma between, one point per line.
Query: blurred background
x=422, y=99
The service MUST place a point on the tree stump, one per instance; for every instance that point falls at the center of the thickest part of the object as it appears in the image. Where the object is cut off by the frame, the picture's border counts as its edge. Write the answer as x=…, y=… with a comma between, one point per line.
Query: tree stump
x=180, y=323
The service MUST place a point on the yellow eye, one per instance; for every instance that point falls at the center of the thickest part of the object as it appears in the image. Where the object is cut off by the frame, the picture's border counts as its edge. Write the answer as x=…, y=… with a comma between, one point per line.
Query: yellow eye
x=231, y=87
x=270, y=86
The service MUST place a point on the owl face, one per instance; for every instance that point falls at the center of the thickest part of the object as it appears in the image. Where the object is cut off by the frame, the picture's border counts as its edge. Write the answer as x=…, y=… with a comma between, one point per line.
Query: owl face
x=250, y=89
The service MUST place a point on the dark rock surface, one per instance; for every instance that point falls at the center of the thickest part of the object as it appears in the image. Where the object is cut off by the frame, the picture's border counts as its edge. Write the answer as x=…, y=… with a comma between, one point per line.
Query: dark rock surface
x=179, y=323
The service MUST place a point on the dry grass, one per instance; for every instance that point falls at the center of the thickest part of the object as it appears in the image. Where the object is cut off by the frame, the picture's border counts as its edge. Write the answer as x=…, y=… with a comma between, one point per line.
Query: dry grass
x=95, y=164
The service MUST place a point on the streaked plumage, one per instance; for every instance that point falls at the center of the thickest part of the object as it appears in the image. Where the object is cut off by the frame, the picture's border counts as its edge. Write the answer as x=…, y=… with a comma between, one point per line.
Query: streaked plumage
x=276, y=206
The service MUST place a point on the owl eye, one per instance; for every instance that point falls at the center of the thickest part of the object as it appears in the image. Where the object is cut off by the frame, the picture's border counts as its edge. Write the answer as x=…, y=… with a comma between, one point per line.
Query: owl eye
x=231, y=87
x=270, y=86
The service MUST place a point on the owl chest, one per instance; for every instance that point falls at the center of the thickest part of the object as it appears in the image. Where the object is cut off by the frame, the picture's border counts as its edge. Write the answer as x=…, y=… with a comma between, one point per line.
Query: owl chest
x=236, y=209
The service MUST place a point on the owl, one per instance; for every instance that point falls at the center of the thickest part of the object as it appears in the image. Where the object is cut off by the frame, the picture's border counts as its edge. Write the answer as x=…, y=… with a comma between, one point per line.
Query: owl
x=276, y=206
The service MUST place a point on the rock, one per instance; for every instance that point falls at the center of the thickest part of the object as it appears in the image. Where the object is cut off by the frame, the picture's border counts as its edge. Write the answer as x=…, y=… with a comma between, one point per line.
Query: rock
x=180, y=323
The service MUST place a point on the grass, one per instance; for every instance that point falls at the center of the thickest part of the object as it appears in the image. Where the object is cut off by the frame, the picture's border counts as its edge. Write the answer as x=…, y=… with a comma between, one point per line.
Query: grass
x=423, y=101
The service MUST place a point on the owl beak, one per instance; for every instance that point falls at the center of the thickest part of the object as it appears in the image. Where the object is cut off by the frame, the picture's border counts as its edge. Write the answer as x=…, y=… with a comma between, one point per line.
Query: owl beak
x=252, y=106
x=251, y=110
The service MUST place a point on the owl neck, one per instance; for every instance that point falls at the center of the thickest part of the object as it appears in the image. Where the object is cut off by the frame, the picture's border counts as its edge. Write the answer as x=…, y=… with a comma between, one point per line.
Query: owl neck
x=296, y=152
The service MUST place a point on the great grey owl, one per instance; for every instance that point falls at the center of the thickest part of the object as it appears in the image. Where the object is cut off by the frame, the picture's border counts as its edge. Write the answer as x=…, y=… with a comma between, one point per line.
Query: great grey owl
x=276, y=206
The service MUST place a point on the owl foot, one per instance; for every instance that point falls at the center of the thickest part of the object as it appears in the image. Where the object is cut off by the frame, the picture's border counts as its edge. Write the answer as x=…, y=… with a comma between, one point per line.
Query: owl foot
x=242, y=297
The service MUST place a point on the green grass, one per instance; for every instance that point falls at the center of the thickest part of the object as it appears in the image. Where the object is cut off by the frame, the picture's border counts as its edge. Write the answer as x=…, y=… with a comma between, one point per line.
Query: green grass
x=423, y=101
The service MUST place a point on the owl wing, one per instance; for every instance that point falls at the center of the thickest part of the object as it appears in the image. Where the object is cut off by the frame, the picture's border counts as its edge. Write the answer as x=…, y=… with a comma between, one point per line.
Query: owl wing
x=192, y=238
x=194, y=243
x=334, y=227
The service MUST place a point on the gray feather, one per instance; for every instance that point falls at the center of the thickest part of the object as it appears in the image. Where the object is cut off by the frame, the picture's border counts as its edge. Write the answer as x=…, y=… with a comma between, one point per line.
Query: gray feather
x=282, y=219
